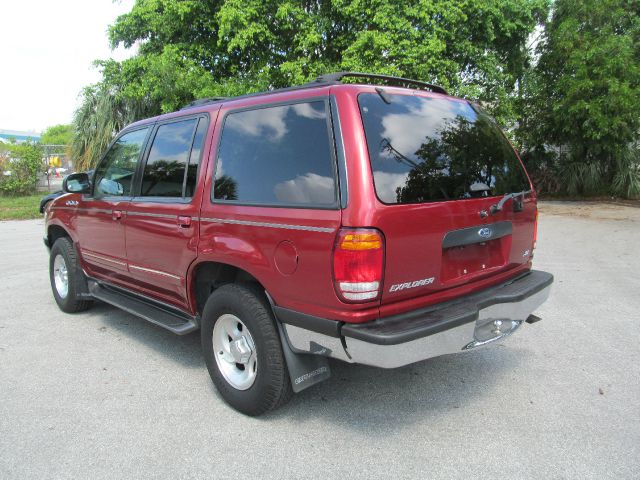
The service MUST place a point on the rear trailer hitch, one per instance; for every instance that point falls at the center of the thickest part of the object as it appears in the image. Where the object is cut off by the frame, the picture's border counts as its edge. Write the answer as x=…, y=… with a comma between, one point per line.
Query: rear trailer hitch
x=498, y=329
x=532, y=319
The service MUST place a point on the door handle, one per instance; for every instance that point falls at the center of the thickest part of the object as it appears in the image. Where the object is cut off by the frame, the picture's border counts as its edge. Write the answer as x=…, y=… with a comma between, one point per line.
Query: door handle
x=184, y=221
x=116, y=214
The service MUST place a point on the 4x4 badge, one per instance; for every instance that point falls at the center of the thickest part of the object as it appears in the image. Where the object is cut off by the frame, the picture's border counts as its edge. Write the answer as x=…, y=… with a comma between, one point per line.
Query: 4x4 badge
x=485, y=232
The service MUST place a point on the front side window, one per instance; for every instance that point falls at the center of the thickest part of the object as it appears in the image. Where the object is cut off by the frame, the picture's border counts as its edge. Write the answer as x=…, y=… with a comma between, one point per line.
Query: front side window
x=425, y=149
x=278, y=155
x=165, y=171
x=115, y=174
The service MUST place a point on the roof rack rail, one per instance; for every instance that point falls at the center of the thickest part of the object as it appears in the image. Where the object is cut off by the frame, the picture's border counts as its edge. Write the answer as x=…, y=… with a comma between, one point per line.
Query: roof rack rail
x=326, y=80
x=203, y=101
x=332, y=78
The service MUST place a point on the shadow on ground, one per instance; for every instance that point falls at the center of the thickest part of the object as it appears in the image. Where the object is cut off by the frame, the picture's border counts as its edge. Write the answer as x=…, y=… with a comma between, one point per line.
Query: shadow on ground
x=184, y=350
x=372, y=400
x=356, y=397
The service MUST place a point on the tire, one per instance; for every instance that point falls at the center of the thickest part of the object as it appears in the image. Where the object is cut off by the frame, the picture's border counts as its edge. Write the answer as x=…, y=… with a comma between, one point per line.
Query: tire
x=63, y=257
x=243, y=309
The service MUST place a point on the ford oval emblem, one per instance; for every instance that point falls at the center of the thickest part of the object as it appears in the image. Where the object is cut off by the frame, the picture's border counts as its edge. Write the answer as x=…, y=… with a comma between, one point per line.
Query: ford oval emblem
x=485, y=232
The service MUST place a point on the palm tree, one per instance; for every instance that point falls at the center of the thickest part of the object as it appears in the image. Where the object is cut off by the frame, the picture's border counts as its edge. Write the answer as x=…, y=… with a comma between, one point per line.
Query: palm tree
x=102, y=113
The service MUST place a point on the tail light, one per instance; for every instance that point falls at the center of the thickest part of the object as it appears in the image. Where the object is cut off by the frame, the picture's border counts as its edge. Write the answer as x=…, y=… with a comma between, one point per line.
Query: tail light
x=535, y=230
x=358, y=264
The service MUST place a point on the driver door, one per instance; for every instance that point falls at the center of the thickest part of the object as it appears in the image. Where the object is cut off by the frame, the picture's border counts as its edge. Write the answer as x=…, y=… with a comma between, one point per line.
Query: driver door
x=102, y=215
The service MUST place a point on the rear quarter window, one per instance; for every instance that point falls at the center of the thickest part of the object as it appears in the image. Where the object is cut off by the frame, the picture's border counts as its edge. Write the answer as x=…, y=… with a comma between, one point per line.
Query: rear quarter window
x=277, y=155
x=430, y=149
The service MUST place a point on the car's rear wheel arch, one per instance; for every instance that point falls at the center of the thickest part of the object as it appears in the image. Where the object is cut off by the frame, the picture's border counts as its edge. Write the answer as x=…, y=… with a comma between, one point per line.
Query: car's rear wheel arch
x=209, y=276
x=253, y=342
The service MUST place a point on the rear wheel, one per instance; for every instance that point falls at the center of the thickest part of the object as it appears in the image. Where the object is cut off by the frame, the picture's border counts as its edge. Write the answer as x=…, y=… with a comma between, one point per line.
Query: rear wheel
x=63, y=271
x=242, y=350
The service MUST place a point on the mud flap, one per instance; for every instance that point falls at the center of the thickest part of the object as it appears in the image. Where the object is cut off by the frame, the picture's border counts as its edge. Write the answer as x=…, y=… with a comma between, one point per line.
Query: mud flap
x=82, y=286
x=305, y=370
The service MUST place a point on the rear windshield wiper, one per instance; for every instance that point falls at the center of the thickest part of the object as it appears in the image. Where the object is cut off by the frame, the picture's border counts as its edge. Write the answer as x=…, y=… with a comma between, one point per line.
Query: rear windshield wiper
x=385, y=146
x=507, y=196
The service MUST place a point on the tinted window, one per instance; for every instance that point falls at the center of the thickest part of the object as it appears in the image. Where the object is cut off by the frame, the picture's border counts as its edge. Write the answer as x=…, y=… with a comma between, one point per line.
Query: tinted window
x=276, y=155
x=434, y=149
x=164, y=172
x=194, y=158
x=114, y=175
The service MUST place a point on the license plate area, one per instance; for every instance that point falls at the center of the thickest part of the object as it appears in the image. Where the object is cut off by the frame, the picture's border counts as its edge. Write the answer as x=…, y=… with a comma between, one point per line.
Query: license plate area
x=465, y=260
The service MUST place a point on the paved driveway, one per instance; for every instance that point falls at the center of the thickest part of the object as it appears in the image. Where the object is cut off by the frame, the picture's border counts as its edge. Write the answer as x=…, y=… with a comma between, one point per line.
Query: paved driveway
x=103, y=394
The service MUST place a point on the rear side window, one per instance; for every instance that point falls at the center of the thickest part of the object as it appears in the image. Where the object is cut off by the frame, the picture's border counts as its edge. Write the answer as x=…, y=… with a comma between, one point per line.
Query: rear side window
x=425, y=149
x=171, y=159
x=278, y=155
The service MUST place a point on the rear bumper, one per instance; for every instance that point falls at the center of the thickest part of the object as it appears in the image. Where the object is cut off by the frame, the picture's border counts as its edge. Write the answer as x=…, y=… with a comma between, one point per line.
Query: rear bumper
x=463, y=324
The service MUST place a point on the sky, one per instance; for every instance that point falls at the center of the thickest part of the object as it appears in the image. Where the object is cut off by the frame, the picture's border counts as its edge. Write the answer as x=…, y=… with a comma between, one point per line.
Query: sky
x=46, y=53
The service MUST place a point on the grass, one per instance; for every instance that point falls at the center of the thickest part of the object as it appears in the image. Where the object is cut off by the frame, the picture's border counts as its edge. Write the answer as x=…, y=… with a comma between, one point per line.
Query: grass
x=20, y=208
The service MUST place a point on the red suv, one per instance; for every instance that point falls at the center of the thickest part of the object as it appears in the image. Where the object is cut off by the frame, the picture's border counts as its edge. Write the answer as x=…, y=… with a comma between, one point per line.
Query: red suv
x=376, y=224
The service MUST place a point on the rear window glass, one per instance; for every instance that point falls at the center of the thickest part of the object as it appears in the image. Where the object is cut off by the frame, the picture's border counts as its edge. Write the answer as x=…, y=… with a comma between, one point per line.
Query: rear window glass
x=277, y=155
x=426, y=149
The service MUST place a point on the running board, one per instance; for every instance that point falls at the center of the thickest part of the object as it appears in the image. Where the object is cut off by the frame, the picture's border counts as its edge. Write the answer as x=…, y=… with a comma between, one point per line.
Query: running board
x=165, y=317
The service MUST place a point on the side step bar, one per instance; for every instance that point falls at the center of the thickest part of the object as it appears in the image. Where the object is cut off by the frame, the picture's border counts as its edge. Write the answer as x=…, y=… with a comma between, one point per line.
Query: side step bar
x=165, y=317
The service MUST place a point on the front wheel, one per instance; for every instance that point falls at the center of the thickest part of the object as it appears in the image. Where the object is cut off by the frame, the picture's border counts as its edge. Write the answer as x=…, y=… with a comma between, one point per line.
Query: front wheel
x=63, y=269
x=242, y=350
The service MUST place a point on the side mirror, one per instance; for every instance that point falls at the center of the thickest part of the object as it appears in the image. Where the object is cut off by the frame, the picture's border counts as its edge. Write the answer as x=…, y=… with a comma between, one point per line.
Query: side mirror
x=77, y=183
x=110, y=187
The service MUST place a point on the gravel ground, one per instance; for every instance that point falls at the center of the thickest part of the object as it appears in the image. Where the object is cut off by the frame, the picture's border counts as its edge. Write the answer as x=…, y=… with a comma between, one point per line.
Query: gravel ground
x=103, y=394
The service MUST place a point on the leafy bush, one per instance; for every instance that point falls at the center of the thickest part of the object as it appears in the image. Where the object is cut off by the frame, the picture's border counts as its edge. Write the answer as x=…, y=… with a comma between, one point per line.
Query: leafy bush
x=542, y=167
x=626, y=182
x=24, y=161
x=582, y=178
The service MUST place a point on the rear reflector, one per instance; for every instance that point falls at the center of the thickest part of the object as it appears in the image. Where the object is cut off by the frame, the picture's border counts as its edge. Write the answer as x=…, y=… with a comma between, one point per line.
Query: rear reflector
x=358, y=259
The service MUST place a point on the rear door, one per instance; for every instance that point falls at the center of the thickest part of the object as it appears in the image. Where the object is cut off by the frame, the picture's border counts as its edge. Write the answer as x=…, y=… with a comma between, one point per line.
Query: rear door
x=274, y=206
x=439, y=165
x=162, y=218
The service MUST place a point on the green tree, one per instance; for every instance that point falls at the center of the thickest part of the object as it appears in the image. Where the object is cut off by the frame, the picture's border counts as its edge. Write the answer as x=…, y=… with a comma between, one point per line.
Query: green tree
x=584, y=97
x=473, y=47
x=57, y=135
x=103, y=111
x=197, y=48
x=24, y=161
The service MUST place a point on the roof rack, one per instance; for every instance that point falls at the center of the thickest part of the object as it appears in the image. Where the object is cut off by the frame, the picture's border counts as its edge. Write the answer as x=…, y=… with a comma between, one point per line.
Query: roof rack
x=333, y=78
x=326, y=80
x=203, y=101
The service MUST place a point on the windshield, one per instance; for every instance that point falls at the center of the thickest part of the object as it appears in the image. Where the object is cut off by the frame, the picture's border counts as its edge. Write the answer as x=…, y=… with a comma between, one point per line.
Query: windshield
x=436, y=149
